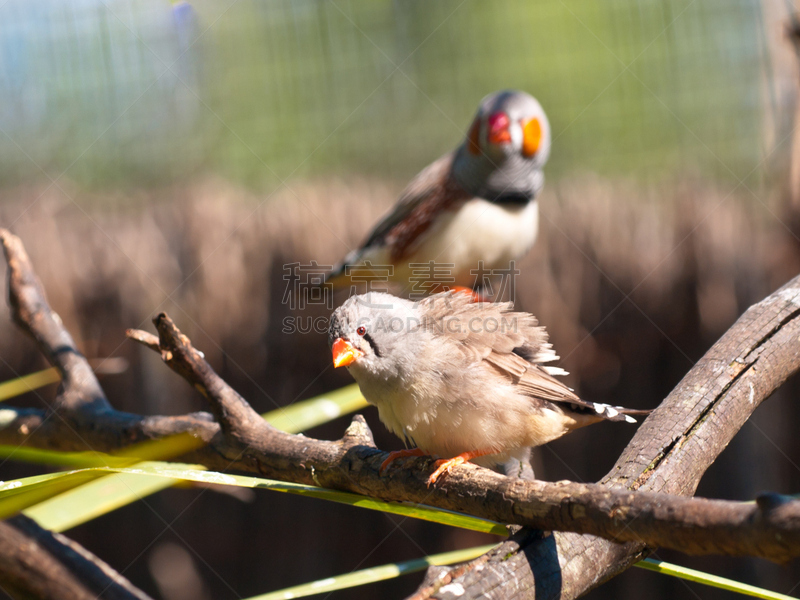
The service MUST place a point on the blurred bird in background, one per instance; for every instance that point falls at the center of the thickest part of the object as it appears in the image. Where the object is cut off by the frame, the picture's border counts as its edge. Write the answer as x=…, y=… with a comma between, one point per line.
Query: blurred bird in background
x=472, y=211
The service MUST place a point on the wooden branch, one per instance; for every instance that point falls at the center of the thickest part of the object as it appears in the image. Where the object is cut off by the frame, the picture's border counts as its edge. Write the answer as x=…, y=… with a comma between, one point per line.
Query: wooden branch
x=80, y=390
x=237, y=418
x=668, y=455
x=39, y=565
x=694, y=526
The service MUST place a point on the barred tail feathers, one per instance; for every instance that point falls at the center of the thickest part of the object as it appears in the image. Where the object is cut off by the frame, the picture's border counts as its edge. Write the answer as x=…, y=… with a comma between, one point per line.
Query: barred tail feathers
x=617, y=413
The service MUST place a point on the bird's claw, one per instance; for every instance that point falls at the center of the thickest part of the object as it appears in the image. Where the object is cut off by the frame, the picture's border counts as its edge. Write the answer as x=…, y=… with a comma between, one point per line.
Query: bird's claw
x=395, y=454
x=444, y=466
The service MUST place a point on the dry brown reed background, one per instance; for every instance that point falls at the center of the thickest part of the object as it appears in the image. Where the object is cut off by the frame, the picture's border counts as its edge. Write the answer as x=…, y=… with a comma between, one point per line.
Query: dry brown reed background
x=633, y=282
x=159, y=120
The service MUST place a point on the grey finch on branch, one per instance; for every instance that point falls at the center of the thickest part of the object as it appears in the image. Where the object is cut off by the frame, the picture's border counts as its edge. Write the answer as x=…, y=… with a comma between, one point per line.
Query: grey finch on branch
x=459, y=379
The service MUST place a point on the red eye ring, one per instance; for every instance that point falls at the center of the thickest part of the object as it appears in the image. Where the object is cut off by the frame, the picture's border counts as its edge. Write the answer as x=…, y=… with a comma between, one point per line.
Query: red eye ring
x=361, y=330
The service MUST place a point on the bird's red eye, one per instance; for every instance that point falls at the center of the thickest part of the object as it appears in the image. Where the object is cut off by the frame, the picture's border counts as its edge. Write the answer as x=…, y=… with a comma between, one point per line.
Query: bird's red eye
x=361, y=330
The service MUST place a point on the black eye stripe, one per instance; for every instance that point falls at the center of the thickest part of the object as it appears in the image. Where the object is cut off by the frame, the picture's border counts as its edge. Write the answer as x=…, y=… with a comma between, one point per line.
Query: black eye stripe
x=372, y=343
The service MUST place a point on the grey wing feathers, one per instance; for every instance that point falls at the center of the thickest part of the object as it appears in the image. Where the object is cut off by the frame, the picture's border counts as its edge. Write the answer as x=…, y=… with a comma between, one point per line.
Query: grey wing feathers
x=515, y=344
x=486, y=327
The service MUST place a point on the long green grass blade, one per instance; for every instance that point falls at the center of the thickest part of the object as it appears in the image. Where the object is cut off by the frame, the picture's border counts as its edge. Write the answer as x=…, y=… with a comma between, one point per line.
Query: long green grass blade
x=374, y=574
x=172, y=472
x=28, y=383
x=76, y=460
x=665, y=568
x=22, y=493
x=34, y=381
x=393, y=570
x=75, y=501
x=161, y=449
x=316, y=411
x=416, y=511
x=96, y=498
x=92, y=498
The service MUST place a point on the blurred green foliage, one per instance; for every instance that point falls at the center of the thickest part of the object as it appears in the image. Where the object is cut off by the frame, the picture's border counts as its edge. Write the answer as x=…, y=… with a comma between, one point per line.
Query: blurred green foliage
x=124, y=93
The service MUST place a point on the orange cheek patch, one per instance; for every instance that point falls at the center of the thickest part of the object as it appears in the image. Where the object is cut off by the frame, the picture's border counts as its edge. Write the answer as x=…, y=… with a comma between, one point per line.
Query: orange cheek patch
x=531, y=137
x=473, y=144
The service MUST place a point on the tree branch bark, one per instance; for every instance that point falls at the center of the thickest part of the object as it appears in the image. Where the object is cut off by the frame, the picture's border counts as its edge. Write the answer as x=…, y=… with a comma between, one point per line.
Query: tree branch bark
x=668, y=455
x=80, y=391
x=36, y=564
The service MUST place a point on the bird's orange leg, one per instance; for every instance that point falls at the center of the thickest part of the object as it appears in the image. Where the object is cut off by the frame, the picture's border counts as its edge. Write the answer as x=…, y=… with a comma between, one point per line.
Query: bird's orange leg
x=444, y=466
x=395, y=454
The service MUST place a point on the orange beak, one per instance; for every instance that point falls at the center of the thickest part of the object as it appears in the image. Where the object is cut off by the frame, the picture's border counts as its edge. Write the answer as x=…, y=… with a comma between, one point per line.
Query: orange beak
x=344, y=353
x=498, y=128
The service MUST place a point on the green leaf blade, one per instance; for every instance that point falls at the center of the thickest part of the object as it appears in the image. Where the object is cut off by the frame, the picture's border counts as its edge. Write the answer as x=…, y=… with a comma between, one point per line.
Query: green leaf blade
x=90, y=502
x=108, y=493
x=374, y=574
x=723, y=583
x=81, y=503
x=28, y=383
x=318, y=410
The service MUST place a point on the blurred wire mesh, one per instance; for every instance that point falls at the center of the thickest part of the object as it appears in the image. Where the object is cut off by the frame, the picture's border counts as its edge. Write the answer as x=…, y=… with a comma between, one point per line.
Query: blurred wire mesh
x=143, y=92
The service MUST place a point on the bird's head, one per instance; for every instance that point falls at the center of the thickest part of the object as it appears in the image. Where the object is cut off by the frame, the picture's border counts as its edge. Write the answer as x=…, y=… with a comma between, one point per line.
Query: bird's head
x=510, y=123
x=369, y=334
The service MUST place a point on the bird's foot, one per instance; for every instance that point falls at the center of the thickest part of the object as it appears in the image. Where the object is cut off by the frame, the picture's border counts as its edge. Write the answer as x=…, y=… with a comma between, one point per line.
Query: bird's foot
x=445, y=465
x=394, y=455
x=476, y=296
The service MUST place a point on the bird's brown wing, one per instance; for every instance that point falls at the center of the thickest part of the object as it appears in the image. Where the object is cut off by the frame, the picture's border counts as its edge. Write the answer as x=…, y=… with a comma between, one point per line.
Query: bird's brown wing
x=534, y=381
x=430, y=192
